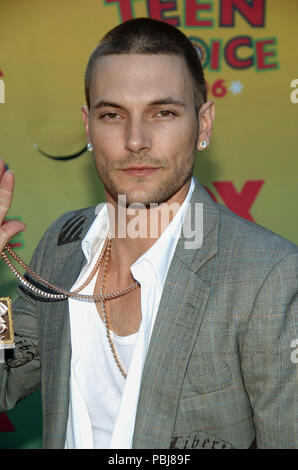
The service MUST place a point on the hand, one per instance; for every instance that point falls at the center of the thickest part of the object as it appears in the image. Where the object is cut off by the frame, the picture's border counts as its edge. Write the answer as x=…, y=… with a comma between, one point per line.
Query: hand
x=11, y=228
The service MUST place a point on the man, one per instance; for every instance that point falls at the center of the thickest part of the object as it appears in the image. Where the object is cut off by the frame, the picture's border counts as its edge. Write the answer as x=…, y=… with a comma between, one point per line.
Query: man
x=193, y=349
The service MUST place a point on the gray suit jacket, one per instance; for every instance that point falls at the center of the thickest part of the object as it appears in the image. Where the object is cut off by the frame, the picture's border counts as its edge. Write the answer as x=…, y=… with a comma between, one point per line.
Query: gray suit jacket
x=219, y=371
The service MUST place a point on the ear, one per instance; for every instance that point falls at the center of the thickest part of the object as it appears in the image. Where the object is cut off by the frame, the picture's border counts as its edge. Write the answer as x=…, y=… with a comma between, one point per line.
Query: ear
x=85, y=116
x=206, y=118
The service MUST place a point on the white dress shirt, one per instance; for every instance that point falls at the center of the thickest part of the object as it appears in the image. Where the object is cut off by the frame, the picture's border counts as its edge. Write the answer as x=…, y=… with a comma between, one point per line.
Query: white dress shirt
x=102, y=404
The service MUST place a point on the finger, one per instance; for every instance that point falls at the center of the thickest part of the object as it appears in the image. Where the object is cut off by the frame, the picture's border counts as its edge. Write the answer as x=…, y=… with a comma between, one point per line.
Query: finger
x=2, y=166
x=6, y=192
x=9, y=230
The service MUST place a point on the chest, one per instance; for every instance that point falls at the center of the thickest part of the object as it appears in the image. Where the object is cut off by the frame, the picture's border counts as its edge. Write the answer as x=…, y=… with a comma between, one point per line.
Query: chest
x=123, y=312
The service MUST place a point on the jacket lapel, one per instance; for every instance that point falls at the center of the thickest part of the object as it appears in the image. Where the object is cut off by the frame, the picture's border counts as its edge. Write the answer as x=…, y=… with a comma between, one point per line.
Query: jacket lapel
x=176, y=328
x=56, y=346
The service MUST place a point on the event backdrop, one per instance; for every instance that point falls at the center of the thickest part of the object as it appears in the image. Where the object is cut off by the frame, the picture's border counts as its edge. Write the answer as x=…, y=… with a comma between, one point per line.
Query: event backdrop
x=249, y=54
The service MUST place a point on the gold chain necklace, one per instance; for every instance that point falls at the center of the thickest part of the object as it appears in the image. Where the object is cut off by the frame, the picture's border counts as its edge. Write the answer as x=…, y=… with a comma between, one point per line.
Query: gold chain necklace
x=63, y=293
x=106, y=317
x=101, y=297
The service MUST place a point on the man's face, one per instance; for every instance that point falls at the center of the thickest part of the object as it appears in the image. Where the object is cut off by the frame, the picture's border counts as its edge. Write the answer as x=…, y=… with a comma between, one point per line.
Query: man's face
x=143, y=126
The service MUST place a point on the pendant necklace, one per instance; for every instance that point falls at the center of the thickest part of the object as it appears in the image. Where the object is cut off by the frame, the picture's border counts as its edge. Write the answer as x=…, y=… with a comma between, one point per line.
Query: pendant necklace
x=7, y=340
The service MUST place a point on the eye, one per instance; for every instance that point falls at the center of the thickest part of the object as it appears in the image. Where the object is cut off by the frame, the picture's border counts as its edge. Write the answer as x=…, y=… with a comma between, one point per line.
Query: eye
x=165, y=113
x=110, y=116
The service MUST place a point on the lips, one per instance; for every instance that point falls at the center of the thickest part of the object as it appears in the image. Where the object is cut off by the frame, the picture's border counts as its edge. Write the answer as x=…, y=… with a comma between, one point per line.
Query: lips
x=140, y=171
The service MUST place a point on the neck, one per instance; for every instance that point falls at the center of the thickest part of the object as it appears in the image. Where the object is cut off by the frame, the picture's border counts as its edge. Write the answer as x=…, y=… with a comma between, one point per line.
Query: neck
x=135, y=230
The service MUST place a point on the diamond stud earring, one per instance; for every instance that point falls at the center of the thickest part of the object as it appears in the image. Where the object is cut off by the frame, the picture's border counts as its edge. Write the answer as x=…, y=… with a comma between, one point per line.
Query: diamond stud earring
x=89, y=147
x=203, y=144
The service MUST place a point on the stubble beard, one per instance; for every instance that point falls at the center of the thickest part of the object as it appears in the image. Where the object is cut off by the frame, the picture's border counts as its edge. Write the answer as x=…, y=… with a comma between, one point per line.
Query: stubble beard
x=157, y=195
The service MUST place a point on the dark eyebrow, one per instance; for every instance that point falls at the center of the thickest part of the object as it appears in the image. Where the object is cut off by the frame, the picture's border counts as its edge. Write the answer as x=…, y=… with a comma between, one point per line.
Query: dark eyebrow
x=103, y=104
x=163, y=101
x=167, y=101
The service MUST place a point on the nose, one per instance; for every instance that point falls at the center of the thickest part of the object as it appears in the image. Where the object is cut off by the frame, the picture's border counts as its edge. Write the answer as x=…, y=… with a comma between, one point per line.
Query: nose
x=137, y=136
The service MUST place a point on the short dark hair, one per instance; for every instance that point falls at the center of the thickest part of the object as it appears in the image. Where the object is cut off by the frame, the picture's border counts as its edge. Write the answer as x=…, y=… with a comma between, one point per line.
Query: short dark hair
x=150, y=36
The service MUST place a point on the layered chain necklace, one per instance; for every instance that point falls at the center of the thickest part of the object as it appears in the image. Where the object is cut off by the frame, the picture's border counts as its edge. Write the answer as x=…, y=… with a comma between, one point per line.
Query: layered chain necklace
x=102, y=297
